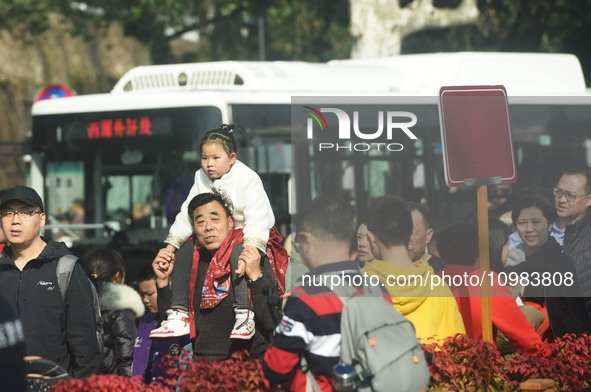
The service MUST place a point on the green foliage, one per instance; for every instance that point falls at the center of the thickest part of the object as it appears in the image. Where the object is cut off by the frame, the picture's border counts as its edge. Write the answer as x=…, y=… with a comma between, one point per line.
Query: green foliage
x=304, y=30
x=307, y=30
x=555, y=26
x=21, y=16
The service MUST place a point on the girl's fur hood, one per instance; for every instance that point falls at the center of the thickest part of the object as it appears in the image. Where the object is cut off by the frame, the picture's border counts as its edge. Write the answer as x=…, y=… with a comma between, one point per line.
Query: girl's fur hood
x=114, y=297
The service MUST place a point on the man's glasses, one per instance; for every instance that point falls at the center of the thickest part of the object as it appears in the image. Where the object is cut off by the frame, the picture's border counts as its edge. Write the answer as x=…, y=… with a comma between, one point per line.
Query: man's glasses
x=24, y=214
x=297, y=239
x=570, y=197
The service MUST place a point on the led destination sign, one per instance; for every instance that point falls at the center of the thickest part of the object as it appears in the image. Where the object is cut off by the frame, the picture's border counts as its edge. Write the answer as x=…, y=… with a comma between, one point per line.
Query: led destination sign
x=118, y=128
x=115, y=126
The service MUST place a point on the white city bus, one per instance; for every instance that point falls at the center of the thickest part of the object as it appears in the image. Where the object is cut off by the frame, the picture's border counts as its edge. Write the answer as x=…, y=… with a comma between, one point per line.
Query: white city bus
x=130, y=155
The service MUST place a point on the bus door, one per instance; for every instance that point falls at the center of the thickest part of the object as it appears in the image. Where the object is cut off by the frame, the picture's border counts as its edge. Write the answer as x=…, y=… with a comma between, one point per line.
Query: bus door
x=132, y=199
x=64, y=199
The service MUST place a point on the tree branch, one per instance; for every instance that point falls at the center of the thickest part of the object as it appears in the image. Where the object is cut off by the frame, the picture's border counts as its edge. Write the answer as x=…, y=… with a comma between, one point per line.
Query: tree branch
x=203, y=24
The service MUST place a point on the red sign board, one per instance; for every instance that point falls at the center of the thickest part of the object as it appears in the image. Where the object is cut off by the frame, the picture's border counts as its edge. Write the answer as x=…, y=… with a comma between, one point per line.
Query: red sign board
x=476, y=136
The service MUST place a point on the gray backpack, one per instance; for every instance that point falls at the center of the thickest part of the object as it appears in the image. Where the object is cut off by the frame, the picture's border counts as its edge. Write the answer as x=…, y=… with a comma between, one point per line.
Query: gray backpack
x=65, y=266
x=381, y=344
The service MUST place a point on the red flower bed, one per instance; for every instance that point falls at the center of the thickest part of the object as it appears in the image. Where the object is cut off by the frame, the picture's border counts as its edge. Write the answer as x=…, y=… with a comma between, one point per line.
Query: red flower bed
x=460, y=363
x=108, y=382
x=234, y=374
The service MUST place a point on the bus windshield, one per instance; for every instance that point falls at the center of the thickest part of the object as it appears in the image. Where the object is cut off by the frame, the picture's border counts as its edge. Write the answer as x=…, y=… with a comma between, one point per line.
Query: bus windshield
x=130, y=168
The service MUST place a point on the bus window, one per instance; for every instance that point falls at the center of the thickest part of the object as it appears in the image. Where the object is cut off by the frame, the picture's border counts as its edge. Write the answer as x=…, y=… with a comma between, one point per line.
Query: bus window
x=118, y=196
x=66, y=184
x=130, y=199
x=274, y=156
x=376, y=173
x=263, y=135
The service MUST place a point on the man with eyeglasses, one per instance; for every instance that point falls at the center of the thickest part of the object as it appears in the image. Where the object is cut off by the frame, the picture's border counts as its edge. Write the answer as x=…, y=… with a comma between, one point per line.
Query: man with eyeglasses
x=572, y=197
x=61, y=332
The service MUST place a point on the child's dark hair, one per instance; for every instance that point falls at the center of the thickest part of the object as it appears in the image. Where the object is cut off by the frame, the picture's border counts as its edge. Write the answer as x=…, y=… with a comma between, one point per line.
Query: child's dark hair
x=103, y=264
x=223, y=134
x=146, y=273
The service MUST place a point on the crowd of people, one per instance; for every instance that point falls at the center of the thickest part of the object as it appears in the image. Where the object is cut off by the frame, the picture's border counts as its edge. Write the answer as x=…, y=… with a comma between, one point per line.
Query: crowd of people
x=224, y=282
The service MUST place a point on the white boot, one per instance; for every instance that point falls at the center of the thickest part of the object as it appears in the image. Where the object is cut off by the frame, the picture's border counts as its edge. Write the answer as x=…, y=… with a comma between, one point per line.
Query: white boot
x=176, y=324
x=244, y=325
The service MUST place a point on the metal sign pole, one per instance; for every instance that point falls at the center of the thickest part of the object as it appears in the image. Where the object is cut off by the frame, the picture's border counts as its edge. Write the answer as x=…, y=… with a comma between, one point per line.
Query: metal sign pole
x=482, y=206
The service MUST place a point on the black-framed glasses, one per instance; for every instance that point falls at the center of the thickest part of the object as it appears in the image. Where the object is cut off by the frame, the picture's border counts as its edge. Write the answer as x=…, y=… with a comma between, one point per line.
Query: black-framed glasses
x=570, y=197
x=297, y=239
x=25, y=214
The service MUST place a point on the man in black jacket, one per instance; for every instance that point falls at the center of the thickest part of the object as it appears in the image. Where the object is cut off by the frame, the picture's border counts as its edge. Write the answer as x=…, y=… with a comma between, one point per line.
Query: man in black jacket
x=62, y=332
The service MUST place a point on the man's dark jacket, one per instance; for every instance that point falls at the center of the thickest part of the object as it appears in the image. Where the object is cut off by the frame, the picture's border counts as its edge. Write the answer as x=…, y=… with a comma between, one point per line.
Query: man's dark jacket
x=63, y=333
x=577, y=245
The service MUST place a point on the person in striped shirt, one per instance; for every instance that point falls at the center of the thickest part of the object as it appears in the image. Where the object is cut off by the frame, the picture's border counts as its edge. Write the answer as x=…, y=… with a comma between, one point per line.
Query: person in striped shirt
x=310, y=325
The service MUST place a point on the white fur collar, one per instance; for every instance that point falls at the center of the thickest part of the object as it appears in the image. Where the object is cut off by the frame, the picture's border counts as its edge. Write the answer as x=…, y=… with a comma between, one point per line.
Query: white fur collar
x=120, y=297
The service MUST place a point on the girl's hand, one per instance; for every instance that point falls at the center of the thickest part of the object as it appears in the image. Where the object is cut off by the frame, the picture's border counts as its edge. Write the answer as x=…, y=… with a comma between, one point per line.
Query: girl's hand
x=241, y=266
x=163, y=265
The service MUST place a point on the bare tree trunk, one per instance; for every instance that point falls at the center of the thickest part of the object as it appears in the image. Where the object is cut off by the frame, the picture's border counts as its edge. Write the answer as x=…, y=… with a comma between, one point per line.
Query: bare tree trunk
x=379, y=26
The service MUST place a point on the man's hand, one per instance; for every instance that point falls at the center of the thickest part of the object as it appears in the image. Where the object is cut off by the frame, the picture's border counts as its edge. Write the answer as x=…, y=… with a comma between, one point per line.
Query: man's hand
x=241, y=269
x=163, y=265
x=251, y=263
